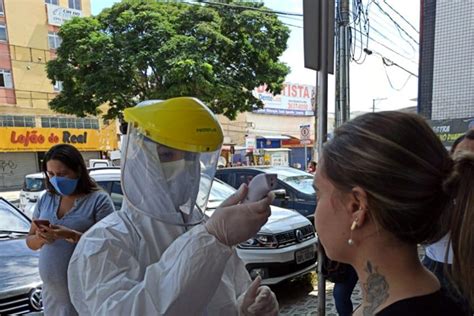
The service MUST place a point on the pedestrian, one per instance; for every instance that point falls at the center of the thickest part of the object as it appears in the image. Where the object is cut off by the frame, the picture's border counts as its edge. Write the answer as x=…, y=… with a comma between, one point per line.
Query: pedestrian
x=436, y=253
x=72, y=204
x=159, y=255
x=342, y=291
x=384, y=185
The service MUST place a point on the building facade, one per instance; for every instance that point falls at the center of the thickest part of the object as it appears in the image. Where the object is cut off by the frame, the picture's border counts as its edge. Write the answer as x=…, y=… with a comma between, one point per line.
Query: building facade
x=28, y=40
x=445, y=94
x=271, y=135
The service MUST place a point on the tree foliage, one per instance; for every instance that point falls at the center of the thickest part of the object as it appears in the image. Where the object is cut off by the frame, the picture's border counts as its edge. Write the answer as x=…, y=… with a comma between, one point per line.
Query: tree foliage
x=139, y=50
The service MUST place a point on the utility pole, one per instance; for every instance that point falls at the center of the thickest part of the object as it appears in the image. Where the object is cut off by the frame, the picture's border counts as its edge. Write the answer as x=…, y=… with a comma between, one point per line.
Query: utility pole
x=373, y=103
x=343, y=58
x=322, y=78
x=318, y=21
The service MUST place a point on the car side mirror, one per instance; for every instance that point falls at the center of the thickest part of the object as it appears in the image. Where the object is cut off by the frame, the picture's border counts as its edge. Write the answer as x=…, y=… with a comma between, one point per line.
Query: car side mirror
x=280, y=193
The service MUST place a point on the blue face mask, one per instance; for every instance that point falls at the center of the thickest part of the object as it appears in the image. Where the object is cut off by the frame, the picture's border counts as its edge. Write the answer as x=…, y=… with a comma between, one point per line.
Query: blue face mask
x=63, y=185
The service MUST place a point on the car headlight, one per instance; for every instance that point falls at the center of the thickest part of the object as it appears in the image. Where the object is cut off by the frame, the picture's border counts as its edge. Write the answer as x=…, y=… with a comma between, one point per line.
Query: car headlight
x=260, y=241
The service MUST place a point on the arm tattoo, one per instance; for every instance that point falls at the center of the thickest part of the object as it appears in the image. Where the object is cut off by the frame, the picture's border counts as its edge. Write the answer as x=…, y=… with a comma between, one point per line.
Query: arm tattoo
x=376, y=288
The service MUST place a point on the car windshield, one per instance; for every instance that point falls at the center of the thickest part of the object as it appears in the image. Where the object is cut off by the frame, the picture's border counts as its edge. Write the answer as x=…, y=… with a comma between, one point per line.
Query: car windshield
x=11, y=220
x=300, y=183
x=300, y=180
x=34, y=184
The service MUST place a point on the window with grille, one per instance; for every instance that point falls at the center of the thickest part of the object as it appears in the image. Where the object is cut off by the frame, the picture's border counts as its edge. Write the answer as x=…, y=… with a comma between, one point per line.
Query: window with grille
x=75, y=4
x=3, y=32
x=6, y=79
x=69, y=122
x=17, y=121
x=54, y=40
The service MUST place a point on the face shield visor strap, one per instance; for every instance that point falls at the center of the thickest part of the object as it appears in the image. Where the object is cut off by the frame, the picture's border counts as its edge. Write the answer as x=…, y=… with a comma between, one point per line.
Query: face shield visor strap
x=141, y=171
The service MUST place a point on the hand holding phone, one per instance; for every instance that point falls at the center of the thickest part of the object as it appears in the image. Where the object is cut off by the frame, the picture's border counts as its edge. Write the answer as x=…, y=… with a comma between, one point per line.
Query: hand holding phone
x=41, y=222
x=260, y=186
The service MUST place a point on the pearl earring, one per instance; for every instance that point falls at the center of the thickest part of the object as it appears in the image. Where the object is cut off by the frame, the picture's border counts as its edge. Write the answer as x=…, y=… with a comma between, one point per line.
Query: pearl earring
x=350, y=242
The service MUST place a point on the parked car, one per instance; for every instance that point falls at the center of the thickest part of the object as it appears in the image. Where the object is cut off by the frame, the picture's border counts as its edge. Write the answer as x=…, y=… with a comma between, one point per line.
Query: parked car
x=294, y=191
x=33, y=187
x=109, y=179
x=20, y=283
x=284, y=248
x=100, y=163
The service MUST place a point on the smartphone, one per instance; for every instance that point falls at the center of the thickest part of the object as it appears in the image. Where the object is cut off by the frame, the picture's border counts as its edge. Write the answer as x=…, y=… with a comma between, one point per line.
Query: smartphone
x=41, y=222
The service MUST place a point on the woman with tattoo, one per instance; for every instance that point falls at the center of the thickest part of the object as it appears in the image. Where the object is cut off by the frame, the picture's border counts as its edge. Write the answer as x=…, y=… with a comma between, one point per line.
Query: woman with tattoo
x=384, y=185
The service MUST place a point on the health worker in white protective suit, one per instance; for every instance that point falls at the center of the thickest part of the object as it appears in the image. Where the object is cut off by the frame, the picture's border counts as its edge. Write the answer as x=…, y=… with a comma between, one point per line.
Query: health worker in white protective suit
x=159, y=255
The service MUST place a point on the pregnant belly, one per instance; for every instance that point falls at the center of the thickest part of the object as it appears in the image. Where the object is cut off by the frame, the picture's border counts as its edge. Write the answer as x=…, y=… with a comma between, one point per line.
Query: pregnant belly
x=53, y=264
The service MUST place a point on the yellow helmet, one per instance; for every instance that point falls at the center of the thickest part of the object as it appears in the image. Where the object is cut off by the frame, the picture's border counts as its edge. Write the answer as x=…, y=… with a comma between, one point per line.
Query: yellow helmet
x=183, y=123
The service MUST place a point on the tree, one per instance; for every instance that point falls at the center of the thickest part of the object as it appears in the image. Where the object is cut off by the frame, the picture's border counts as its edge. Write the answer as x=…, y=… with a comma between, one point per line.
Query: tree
x=139, y=50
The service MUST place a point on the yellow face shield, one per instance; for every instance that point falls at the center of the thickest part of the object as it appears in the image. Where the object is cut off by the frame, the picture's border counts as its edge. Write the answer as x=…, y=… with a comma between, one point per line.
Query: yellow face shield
x=169, y=181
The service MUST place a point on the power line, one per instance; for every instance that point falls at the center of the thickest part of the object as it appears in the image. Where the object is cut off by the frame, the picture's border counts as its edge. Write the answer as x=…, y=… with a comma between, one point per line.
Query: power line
x=390, y=49
x=396, y=12
x=390, y=81
x=234, y=6
x=395, y=22
x=390, y=32
x=292, y=18
x=388, y=62
x=292, y=25
x=367, y=26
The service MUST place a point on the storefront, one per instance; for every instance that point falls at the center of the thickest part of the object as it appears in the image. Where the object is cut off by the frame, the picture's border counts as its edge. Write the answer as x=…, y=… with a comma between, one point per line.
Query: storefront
x=22, y=149
x=297, y=154
x=449, y=130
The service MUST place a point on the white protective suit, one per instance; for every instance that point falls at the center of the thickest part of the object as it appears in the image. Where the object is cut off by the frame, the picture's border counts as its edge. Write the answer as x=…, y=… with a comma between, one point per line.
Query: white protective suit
x=134, y=262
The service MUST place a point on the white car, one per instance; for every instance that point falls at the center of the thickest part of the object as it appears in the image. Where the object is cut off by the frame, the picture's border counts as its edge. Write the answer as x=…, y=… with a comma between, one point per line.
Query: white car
x=33, y=187
x=284, y=248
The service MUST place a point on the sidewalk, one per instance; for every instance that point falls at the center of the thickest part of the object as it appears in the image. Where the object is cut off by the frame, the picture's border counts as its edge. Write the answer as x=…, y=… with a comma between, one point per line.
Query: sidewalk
x=308, y=304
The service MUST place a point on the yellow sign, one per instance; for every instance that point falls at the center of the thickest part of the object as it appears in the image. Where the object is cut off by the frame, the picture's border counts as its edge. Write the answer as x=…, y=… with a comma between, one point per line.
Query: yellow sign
x=41, y=139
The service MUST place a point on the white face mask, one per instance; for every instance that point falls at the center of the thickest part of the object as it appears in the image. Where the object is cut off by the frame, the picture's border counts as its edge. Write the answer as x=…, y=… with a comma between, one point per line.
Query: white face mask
x=173, y=169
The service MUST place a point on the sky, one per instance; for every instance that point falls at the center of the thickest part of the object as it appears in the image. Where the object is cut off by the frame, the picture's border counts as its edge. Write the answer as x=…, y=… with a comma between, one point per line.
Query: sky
x=370, y=80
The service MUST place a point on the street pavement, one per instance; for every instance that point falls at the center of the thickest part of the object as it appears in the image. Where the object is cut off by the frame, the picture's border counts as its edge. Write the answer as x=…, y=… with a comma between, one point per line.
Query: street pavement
x=300, y=297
